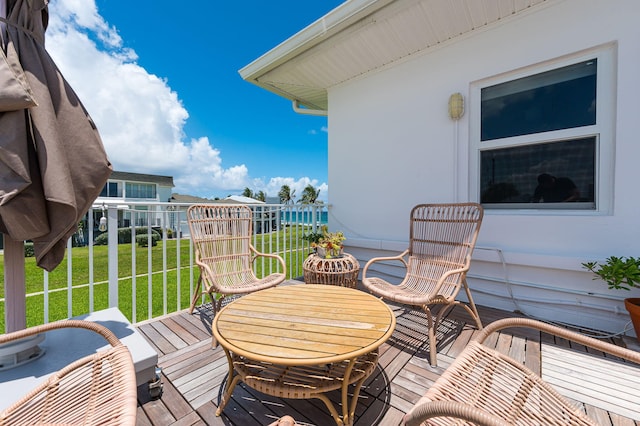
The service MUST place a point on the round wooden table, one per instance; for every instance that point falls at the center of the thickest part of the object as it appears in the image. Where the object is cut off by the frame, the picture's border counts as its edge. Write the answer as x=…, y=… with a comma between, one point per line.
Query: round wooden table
x=301, y=341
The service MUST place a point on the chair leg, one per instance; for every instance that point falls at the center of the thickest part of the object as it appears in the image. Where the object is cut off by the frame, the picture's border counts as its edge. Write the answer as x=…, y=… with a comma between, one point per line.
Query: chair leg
x=196, y=295
x=471, y=308
x=432, y=325
x=216, y=305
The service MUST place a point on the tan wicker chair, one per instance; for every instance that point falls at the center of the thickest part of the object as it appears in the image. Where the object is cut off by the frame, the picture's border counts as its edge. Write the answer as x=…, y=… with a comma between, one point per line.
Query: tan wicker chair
x=99, y=389
x=485, y=387
x=441, y=240
x=221, y=235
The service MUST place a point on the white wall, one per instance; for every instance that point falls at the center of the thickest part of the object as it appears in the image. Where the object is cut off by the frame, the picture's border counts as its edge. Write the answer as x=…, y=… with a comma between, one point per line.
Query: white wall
x=392, y=145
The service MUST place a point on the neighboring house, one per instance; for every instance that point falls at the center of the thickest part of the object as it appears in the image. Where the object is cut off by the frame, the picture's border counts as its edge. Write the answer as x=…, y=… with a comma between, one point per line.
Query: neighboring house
x=241, y=199
x=126, y=189
x=548, y=86
x=190, y=199
x=127, y=186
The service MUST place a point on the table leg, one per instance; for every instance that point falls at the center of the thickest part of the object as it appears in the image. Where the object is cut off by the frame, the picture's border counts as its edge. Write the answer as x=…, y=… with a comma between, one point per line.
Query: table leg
x=332, y=409
x=231, y=383
x=347, y=419
x=354, y=398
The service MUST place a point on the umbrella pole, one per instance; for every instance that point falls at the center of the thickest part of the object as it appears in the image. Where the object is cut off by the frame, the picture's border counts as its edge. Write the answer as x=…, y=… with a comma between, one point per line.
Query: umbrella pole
x=18, y=353
x=15, y=312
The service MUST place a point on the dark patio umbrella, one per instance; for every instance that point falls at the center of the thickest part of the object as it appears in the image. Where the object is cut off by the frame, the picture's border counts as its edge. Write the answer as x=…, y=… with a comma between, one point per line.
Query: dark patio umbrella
x=52, y=161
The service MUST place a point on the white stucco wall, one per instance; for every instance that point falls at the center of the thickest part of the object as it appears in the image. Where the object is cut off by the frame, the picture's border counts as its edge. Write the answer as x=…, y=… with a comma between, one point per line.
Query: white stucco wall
x=392, y=145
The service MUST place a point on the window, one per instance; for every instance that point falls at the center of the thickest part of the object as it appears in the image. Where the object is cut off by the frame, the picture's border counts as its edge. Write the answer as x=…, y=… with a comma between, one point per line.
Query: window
x=504, y=178
x=141, y=190
x=110, y=189
x=559, y=99
x=543, y=137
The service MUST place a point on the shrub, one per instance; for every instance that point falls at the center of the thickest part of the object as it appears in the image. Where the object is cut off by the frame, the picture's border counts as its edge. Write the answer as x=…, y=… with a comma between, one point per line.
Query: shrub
x=124, y=236
x=618, y=272
x=143, y=240
x=28, y=249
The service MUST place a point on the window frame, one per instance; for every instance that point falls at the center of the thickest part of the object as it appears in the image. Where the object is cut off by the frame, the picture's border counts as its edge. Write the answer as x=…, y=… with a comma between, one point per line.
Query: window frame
x=133, y=190
x=603, y=129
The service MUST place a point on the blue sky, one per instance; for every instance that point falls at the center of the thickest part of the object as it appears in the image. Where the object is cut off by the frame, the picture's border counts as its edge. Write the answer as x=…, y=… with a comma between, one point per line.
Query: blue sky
x=161, y=81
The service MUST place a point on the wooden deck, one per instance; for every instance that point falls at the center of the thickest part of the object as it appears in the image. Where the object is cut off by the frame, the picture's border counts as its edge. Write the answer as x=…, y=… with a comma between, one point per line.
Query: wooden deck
x=193, y=372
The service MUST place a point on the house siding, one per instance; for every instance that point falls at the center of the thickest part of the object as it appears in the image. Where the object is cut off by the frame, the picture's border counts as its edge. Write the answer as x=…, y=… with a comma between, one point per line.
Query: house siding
x=409, y=151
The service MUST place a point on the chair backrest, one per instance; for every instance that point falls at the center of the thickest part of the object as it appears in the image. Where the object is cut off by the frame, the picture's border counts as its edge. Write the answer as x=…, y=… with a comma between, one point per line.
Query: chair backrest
x=221, y=236
x=442, y=238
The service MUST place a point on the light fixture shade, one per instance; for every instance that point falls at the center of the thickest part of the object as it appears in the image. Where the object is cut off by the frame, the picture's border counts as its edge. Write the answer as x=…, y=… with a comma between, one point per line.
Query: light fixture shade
x=456, y=106
x=103, y=224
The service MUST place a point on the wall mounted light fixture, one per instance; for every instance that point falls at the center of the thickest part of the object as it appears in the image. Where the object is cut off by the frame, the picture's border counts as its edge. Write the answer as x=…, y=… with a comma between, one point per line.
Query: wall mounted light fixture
x=456, y=106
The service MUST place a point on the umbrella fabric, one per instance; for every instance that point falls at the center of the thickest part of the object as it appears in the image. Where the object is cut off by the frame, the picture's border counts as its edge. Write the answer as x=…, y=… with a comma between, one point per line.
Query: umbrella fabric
x=16, y=93
x=52, y=161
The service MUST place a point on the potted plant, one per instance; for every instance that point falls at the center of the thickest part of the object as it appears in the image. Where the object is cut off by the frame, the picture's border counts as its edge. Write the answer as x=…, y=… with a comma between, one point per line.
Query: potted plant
x=326, y=244
x=621, y=273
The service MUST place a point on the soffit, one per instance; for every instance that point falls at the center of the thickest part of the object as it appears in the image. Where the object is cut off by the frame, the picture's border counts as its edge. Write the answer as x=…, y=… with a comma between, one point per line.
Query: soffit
x=362, y=36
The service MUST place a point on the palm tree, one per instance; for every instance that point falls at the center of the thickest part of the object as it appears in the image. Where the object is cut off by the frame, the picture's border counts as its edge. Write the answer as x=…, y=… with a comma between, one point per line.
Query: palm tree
x=247, y=193
x=309, y=195
x=261, y=196
x=286, y=195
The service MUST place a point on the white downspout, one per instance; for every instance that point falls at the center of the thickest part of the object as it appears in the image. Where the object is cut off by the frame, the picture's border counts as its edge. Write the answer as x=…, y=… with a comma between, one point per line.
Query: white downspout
x=297, y=108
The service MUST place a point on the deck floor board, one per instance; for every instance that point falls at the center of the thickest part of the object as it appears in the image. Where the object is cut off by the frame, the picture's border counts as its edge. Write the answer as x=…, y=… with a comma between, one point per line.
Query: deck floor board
x=193, y=371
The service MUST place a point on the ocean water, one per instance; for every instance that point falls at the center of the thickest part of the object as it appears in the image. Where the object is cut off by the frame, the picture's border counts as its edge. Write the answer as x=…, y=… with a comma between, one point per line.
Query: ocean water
x=307, y=217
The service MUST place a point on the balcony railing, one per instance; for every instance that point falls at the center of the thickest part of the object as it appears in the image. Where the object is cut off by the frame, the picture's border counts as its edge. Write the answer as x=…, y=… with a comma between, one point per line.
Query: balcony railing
x=146, y=268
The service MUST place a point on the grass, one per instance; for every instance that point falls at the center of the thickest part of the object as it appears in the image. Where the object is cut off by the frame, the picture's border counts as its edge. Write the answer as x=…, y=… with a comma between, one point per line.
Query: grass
x=169, y=286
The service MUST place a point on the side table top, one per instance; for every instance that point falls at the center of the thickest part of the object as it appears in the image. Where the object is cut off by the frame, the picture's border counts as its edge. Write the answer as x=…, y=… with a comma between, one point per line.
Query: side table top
x=304, y=324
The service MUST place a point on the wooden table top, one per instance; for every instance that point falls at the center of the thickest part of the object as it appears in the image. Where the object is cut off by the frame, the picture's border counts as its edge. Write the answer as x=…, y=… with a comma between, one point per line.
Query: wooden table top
x=304, y=324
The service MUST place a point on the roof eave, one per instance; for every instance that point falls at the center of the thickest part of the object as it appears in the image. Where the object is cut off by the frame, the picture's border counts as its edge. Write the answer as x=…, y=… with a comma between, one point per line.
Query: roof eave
x=332, y=23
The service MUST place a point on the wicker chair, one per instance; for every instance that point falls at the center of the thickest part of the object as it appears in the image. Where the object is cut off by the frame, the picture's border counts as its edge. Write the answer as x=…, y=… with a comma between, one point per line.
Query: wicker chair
x=221, y=235
x=485, y=387
x=99, y=389
x=441, y=240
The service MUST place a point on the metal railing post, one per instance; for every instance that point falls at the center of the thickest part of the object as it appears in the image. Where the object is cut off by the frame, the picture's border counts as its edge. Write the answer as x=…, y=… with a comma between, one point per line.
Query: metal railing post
x=112, y=229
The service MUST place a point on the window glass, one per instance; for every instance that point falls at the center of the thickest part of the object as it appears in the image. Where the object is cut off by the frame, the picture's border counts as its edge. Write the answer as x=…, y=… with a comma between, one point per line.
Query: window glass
x=554, y=172
x=141, y=190
x=110, y=189
x=558, y=99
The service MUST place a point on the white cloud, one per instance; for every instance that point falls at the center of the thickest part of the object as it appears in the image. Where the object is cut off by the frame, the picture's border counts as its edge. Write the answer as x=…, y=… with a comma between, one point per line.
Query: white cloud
x=272, y=187
x=140, y=118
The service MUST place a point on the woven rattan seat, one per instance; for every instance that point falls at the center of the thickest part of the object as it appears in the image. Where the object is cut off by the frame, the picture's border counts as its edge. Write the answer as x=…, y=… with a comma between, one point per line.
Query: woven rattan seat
x=221, y=236
x=485, y=387
x=442, y=238
x=99, y=389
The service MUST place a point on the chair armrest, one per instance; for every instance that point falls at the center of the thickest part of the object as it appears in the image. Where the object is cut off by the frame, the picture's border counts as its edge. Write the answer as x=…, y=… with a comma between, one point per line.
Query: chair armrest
x=279, y=258
x=92, y=326
x=591, y=342
x=400, y=257
x=443, y=278
x=452, y=409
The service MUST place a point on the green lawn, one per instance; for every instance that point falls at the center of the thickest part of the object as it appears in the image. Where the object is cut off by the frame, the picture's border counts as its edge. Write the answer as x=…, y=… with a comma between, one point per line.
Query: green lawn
x=170, y=291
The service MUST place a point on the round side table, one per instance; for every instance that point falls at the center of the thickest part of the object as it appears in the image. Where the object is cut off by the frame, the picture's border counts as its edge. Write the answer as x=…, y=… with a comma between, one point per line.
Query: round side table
x=341, y=271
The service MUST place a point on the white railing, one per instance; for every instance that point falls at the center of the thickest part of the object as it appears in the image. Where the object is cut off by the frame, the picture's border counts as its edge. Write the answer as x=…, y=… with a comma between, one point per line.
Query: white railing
x=146, y=278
